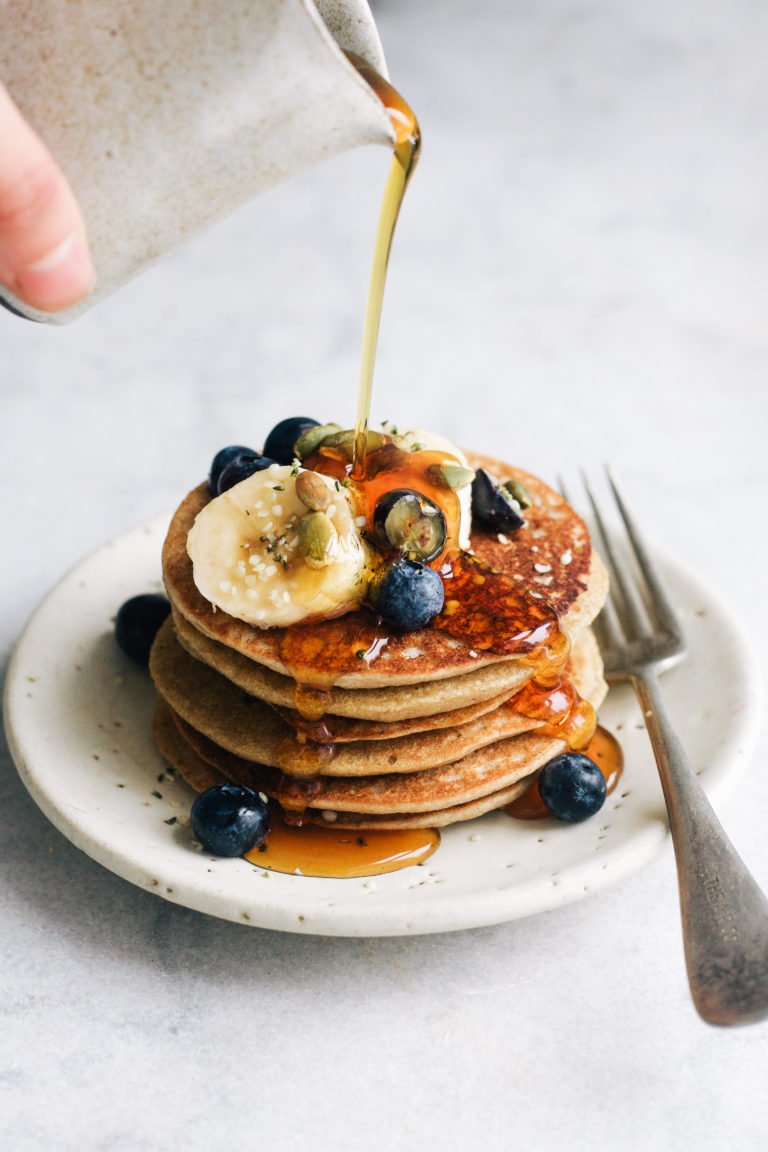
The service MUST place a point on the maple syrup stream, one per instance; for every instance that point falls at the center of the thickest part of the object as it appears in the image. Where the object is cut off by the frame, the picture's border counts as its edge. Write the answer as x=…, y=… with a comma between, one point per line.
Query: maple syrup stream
x=406, y=153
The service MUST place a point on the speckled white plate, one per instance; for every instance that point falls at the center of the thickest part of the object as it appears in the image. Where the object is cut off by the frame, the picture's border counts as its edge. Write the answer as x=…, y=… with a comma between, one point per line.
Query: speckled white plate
x=77, y=715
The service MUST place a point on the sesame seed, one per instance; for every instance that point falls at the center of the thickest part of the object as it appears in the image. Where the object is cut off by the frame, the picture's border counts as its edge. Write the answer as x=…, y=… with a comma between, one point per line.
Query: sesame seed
x=543, y=567
x=224, y=586
x=277, y=509
x=566, y=557
x=502, y=539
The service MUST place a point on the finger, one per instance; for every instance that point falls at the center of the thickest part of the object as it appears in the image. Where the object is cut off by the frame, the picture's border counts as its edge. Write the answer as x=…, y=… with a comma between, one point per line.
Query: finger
x=44, y=257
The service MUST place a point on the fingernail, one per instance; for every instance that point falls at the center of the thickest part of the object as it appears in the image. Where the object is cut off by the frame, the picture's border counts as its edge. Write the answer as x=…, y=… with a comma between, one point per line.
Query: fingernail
x=60, y=278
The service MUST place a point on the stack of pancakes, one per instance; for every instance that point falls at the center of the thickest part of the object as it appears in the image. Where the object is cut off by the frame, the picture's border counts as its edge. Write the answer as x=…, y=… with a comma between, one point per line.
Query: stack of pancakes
x=421, y=732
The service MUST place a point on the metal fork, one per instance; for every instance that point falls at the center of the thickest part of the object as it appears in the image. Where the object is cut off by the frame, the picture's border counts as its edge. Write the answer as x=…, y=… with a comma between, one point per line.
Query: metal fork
x=724, y=913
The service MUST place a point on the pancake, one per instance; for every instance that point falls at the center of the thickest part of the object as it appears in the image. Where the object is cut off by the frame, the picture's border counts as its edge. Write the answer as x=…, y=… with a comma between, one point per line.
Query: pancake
x=252, y=730
x=470, y=778
x=404, y=702
x=201, y=775
x=342, y=730
x=440, y=818
x=551, y=560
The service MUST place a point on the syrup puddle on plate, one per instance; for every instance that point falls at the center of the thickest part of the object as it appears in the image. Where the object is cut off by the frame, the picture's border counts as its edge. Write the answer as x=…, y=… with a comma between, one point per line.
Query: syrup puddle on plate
x=310, y=850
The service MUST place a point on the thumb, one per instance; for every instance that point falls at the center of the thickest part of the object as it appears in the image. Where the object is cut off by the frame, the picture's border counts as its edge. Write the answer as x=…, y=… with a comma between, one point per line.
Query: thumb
x=44, y=257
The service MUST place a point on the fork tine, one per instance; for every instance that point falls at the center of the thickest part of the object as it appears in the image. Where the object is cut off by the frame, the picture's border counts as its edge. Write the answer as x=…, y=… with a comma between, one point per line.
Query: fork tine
x=630, y=611
x=662, y=607
x=606, y=627
x=607, y=633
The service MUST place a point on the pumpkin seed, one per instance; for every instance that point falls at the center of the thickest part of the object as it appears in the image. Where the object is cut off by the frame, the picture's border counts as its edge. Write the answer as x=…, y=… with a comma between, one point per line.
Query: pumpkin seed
x=518, y=492
x=345, y=441
x=451, y=476
x=311, y=439
x=313, y=492
x=318, y=539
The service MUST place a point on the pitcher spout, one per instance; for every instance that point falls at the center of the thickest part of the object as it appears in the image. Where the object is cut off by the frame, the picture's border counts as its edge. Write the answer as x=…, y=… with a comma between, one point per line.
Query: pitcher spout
x=165, y=118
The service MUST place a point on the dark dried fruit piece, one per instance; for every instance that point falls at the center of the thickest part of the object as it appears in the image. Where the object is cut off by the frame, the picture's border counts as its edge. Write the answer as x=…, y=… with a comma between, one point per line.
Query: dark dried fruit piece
x=493, y=506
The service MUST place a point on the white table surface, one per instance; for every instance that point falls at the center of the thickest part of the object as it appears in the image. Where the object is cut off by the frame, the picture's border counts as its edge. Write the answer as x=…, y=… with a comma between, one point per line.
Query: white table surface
x=581, y=273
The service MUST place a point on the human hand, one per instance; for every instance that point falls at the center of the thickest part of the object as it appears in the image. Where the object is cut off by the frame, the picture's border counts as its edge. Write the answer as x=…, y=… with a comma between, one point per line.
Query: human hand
x=44, y=258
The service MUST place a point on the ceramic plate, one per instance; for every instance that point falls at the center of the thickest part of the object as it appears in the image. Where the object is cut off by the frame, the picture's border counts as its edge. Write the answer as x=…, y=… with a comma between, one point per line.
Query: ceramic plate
x=78, y=717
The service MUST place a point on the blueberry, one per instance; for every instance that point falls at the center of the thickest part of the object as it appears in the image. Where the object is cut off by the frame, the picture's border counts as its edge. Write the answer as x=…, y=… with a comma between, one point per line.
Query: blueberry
x=281, y=440
x=220, y=461
x=138, y=622
x=409, y=595
x=241, y=468
x=411, y=523
x=572, y=786
x=229, y=820
x=493, y=506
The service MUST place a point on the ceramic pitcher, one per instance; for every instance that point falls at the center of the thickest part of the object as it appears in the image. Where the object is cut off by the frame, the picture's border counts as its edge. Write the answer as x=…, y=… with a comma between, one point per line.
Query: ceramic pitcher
x=167, y=116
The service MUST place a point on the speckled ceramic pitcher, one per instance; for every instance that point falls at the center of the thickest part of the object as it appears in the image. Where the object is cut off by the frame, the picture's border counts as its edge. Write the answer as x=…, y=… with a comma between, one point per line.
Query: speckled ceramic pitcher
x=166, y=116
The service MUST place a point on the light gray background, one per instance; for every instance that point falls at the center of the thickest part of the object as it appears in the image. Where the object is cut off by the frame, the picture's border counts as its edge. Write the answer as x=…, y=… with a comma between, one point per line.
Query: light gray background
x=581, y=273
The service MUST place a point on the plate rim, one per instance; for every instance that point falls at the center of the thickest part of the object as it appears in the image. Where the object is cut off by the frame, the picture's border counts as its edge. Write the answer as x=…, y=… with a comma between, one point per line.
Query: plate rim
x=443, y=913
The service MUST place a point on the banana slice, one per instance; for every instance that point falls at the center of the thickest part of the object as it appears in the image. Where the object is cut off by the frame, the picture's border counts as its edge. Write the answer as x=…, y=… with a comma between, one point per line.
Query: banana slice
x=260, y=555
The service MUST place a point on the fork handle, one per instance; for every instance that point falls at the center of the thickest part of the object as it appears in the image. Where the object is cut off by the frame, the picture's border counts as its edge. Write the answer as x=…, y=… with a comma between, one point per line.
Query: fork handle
x=724, y=912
